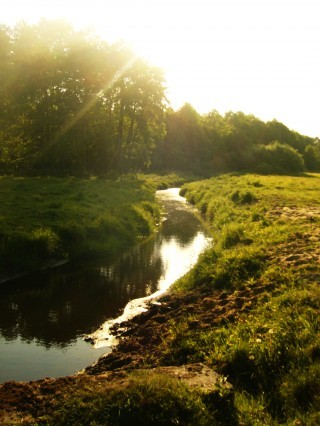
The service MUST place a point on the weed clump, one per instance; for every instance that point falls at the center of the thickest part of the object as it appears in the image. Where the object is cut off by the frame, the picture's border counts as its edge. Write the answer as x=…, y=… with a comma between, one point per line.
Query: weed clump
x=240, y=197
x=233, y=235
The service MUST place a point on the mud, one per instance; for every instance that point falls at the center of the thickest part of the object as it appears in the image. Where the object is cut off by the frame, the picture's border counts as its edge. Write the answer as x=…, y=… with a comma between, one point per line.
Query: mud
x=141, y=340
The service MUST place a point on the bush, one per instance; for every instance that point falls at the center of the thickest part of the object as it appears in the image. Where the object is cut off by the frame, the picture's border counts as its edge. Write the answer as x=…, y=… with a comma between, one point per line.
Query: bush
x=278, y=158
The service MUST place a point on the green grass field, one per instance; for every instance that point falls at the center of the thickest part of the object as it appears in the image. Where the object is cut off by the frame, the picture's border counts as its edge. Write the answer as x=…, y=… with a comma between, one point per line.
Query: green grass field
x=44, y=221
x=253, y=314
x=47, y=220
x=266, y=249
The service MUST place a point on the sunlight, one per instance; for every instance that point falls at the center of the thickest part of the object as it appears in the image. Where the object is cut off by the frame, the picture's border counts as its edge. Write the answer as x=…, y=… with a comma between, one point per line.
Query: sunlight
x=184, y=259
x=257, y=57
x=89, y=105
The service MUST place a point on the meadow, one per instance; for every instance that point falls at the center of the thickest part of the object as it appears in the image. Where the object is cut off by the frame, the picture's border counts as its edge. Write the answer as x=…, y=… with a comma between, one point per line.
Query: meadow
x=249, y=310
x=266, y=257
x=45, y=221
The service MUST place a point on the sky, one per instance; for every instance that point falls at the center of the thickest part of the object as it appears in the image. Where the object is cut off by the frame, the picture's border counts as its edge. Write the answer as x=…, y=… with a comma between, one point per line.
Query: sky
x=261, y=57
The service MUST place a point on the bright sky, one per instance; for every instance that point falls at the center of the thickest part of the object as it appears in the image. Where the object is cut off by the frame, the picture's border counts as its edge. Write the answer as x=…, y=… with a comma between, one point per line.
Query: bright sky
x=256, y=56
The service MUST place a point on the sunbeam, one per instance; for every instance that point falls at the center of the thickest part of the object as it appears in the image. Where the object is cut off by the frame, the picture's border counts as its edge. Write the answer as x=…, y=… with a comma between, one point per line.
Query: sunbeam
x=87, y=107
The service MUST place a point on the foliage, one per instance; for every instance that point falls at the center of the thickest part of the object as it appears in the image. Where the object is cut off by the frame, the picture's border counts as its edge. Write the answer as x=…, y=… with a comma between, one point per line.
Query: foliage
x=214, y=143
x=182, y=148
x=312, y=157
x=72, y=104
x=278, y=158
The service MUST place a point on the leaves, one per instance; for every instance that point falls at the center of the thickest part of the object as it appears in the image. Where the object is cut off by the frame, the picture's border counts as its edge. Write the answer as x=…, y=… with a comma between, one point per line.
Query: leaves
x=80, y=105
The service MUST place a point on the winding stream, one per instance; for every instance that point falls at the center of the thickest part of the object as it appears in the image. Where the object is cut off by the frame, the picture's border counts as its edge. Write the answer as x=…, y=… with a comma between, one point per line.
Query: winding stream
x=44, y=317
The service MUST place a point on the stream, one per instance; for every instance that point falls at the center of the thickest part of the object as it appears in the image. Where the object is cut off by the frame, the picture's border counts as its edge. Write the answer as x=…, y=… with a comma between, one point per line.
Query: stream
x=46, y=316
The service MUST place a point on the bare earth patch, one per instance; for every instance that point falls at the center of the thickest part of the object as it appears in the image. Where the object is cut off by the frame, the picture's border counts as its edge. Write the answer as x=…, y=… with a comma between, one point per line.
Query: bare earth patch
x=311, y=213
x=302, y=252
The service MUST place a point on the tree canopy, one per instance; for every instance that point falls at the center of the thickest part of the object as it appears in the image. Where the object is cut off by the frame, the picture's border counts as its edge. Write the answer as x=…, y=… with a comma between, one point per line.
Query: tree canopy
x=72, y=104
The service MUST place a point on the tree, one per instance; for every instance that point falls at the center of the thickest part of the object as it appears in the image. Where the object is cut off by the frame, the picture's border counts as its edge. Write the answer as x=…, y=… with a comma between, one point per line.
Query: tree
x=139, y=105
x=72, y=104
x=183, y=147
x=312, y=157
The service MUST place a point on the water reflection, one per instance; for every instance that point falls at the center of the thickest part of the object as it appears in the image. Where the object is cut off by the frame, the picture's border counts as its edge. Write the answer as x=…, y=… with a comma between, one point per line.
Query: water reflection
x=56, y=307
x=44, y=316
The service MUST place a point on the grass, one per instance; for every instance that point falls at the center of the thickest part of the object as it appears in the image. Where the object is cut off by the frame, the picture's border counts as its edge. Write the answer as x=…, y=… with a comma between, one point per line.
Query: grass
x=44, y=220
x=154, y=399
x=266, y=233
x=262, y=330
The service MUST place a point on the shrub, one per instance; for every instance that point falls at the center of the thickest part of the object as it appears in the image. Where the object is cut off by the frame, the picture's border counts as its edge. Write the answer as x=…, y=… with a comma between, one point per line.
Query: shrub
x=278, y=158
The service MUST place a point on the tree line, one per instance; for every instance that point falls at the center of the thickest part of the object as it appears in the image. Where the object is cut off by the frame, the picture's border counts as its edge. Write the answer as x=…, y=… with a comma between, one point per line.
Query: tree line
x=72, y=104
x=235, y=141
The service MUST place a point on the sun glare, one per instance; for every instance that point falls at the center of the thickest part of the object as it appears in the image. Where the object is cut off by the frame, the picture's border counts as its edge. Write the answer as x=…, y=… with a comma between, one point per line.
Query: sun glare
x=258, y=57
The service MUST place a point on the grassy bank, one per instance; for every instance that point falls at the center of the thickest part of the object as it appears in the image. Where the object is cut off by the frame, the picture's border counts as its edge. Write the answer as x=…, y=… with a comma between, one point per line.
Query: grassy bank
x=47, y=220
x=249, y=310
x=266, y=256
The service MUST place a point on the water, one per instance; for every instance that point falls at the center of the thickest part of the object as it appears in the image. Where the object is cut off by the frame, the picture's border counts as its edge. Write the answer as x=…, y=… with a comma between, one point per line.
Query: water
x=45, y=316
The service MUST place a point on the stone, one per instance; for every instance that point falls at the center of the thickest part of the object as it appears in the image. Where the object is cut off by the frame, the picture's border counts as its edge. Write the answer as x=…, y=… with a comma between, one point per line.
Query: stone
x=196, y=376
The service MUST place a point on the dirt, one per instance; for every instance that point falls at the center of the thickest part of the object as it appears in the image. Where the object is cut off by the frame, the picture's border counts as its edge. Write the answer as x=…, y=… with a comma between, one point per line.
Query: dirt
x=29, y=403
x=302, y=251
x=141, y=341
x=294, y=213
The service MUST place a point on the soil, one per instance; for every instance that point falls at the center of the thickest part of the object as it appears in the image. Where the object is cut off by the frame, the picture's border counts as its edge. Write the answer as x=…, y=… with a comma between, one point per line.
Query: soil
x=140, y=343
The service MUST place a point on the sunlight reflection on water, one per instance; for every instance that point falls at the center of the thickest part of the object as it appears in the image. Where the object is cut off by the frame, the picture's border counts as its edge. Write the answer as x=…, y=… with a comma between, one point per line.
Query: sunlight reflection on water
x=177, y=256
x=44, y=317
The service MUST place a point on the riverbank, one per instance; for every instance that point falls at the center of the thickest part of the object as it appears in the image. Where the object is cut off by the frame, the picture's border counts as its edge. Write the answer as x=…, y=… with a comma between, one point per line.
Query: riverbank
x=48, y=221
x=45, y=315
x=249, y=310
